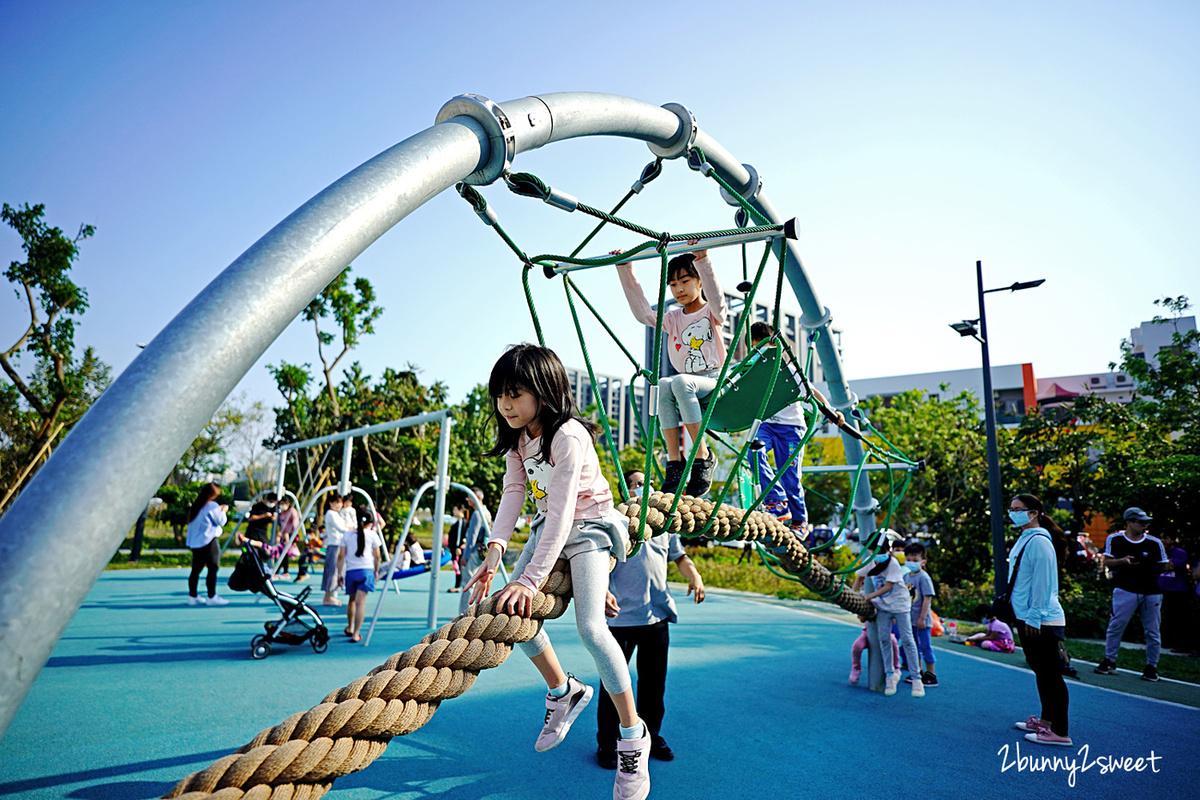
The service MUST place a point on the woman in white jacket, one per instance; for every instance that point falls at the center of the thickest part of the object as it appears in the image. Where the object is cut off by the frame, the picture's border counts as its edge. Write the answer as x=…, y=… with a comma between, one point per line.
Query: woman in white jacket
x=205, y=522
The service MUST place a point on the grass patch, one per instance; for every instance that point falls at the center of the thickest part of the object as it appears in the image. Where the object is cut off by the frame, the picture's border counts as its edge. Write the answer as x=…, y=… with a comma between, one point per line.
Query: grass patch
x=1181, y=668
x=152, y=559
x=728, y=568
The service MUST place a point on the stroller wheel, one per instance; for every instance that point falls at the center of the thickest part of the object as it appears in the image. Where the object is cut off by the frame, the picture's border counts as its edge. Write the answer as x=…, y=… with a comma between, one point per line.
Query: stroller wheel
x=320, y=643
x=260, y=647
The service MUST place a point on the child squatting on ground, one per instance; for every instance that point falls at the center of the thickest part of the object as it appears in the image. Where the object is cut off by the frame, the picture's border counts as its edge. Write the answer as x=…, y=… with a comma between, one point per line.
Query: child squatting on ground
x=998, y=637
x=890, y=598
x=696, y=350
x=550, y=455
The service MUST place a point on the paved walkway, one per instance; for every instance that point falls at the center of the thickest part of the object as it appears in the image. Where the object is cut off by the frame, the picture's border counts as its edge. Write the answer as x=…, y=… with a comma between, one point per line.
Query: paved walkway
x=143, y=689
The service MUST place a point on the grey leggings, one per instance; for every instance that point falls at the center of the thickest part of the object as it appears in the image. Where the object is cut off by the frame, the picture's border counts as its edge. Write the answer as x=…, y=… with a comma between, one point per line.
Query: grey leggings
x=589, y=583
x=883, y=626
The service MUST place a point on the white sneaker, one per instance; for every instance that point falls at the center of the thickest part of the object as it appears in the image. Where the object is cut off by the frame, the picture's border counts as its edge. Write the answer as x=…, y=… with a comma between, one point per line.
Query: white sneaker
x=561, y=712
x=889, y=687
x=217, y=600
x=195, y=601
x=633, y=770
x=918, y=688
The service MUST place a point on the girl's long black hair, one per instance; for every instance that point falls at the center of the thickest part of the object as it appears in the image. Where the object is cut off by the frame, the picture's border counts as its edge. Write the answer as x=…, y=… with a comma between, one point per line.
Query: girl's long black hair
x=537, y=370
x=362, y=513
x=208, y=492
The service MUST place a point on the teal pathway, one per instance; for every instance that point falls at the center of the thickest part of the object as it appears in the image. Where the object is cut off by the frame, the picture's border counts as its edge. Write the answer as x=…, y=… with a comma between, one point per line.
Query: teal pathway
x=143, y=689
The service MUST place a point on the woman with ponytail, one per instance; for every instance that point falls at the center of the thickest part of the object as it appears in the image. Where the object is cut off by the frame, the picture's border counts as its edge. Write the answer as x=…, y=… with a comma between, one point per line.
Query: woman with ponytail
x=1033, y=588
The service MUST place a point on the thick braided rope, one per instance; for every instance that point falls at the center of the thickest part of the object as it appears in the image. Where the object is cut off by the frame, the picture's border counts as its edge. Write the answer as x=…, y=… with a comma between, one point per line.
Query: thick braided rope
x=693, y=514
x=300, y=758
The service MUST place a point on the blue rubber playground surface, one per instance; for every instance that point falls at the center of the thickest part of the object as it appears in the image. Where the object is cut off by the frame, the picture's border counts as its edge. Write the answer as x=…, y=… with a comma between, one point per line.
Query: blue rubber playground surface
x=143, y=690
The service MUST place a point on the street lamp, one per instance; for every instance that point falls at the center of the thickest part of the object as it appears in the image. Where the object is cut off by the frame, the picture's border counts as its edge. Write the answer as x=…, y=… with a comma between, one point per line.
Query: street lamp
x=995, y=502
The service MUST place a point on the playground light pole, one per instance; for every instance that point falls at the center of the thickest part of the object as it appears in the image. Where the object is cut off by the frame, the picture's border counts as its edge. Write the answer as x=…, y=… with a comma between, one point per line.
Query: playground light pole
x=995, y=503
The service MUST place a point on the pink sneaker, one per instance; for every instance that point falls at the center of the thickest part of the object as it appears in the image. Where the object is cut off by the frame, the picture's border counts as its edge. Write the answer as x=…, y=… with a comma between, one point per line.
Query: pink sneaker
x=633, y=771
x=1032, y=725
x=1047, y=736
x=854, y=673
x=561, y=712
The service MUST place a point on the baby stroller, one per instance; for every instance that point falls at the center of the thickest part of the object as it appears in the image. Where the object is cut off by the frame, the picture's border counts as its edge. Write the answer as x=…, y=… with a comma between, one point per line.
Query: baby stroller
x=299, y=623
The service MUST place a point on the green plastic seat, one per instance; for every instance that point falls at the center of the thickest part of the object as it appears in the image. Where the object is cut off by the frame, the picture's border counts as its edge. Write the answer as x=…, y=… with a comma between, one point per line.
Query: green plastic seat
x=736, y=408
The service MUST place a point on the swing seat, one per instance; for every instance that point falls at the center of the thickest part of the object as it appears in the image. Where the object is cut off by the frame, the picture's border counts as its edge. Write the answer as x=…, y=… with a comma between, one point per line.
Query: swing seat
x=736, y=407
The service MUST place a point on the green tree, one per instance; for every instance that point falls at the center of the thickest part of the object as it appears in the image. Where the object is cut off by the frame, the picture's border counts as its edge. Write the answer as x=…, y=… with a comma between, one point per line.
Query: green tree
x=39, y=406
x=208, y=453
x=354, y=312
x=950, y=497
x=1168, y=395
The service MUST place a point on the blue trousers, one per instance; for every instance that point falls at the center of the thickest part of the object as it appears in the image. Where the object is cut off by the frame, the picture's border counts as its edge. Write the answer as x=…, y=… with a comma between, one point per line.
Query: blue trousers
x=782, y=440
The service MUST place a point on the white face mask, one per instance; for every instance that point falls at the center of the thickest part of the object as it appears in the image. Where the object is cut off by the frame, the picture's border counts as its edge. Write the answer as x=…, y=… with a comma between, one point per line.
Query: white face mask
x=1020, y=518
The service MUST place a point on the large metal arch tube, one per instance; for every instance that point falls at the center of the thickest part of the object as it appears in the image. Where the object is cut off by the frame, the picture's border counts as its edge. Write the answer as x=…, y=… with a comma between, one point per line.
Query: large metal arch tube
x=59, y=534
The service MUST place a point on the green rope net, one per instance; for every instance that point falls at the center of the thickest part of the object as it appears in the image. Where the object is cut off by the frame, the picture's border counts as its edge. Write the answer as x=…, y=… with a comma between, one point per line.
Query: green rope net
x=773, y=351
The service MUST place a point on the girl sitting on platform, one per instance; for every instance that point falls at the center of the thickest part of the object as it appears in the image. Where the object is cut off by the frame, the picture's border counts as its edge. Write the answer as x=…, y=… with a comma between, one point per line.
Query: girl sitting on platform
x=696, y=348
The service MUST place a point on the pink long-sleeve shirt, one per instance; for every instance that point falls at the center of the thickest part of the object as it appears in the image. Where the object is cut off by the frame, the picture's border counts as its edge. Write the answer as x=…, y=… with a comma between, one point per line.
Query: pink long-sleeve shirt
x=694, y=341
x=569, y=488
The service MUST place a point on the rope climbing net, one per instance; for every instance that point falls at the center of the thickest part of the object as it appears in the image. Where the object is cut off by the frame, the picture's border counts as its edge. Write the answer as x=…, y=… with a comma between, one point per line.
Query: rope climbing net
x=771, y=356
x=301, y=757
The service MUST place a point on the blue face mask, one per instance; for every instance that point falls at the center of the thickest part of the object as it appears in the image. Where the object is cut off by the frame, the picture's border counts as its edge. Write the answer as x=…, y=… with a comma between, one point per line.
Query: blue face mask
x=912, y=566
x=1020, y=518
x=882, y=557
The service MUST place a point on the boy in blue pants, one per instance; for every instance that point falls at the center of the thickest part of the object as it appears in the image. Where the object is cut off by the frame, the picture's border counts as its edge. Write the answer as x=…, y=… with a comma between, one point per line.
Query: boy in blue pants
x=920, y=586
x=780, y=435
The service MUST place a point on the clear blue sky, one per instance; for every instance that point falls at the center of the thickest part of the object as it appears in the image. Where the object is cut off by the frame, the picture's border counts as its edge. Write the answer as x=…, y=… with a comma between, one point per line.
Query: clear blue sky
x=1050, y=140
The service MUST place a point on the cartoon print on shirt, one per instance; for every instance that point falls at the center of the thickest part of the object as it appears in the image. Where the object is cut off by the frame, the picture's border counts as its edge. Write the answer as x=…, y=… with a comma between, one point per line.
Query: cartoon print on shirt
x=695, y=336
x=537, y=481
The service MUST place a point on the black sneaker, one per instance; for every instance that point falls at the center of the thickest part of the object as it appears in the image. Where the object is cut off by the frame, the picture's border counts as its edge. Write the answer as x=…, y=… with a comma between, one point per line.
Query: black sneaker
x=1150, y=673
x=606, y=758
x=702, y=475
x=929, y=679
x=1105, y=667
x=673, y=474
x=659, y=749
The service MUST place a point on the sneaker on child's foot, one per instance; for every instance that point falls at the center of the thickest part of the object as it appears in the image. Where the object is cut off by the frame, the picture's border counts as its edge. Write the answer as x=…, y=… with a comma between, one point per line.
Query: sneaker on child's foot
x=1150, y=673
x=633, y=772
x=918, y=689
x=672, y=475
x=778, y=509
x=561, y=712
x=929, y=679
x=1105, y=667
x=854, y=673
x=217, y=600
x=889, y=687
x=702, y=475
x=1032, y=725
x=1047, y=736
x=195, y=601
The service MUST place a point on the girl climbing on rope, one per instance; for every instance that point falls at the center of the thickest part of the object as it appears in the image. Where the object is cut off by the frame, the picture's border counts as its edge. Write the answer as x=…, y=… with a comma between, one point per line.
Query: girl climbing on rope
x=696, y=349
x=550, y=454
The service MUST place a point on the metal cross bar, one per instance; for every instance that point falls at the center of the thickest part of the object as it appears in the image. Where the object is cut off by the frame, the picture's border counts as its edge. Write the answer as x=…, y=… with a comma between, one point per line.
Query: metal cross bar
x=865, y=468
x=675, y=248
